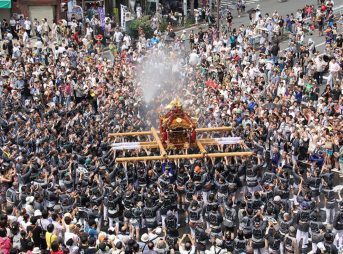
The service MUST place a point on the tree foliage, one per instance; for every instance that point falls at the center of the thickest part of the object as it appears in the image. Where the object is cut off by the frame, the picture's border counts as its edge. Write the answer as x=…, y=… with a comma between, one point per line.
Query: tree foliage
x=143, y=23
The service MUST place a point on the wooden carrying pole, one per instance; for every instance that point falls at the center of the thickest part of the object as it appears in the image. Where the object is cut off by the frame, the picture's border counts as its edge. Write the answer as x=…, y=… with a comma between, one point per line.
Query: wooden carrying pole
x=199, y=142
x=213, y=129
x=123, y=134
x=184, y=156
x=158, y=141
x=143, y=133
x=201, y=147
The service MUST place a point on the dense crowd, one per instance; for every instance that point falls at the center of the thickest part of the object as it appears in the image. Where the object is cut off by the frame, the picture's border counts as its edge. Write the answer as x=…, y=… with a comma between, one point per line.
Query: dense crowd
x=61, y=190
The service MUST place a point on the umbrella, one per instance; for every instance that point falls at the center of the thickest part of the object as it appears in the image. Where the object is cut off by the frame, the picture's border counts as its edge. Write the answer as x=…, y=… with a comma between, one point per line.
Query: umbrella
x=252, y=10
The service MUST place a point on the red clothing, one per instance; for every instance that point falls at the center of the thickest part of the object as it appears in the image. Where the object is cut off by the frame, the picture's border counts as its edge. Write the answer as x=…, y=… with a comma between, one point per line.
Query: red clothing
x=56, y=252
x=76, y=37
x=67, y=89
x=5, y=245
x=211, y=83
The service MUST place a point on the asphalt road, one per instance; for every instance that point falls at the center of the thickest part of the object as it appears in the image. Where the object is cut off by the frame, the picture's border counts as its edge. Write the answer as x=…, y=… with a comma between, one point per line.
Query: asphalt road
x=269, y=6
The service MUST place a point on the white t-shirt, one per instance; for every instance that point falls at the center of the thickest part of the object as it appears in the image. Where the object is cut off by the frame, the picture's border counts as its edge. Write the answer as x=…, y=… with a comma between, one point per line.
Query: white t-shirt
x=127, y=40
x=39, y=28
x=69, y=235
x=73, y=26
x=118, y=36
x=61, y=49
x=89, y=31
x=39, y=44
x=27, y=25
x=44, y=223
x=183, y=251
x=334, y=67
x=12, y=218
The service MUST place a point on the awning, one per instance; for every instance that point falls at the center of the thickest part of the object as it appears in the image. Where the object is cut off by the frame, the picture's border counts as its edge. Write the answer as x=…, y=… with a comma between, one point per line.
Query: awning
x=5, y=4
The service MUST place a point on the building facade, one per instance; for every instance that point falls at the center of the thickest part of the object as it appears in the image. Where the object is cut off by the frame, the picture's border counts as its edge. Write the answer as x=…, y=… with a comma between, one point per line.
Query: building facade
x=49, y=9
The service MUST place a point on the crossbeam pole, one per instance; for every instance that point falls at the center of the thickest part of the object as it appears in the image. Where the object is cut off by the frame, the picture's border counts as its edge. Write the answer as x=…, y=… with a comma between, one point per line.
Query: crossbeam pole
x=185, y=156
x=144, y=133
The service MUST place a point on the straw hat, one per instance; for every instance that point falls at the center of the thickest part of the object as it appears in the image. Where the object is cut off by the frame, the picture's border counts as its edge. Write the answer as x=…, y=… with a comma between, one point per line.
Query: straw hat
x=145, y=238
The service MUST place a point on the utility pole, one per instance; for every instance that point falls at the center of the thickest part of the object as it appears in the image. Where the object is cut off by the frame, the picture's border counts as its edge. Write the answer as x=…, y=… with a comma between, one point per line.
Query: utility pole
x=218, y=18
x=185, y=8
x=83, y=5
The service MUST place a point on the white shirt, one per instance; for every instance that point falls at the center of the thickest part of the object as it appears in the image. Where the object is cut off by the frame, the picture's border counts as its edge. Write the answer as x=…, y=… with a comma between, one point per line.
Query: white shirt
x=118, y=36
x=320, y=65
x=45, y=26
x=61, y=49
x=69, y=235
x=334, y=67
x=89, y=31
x=12, y=218
x=39, y=28
x=39, y=44
x=43, y=223
x=183, y=251
x=194, y=59
x=27, y=25
x=215, y=250
x=127, y=40
x=29, y=209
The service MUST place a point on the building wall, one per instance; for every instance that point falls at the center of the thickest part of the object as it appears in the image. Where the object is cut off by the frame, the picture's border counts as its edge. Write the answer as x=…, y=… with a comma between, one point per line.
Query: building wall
x=5, y=14
x=22, y=6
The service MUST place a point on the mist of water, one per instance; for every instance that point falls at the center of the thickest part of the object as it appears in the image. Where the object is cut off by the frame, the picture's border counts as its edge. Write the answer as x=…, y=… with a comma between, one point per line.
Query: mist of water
x=159, y=75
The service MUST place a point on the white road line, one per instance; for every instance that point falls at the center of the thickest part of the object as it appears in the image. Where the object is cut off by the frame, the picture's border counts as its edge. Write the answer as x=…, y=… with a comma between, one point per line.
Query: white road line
x=233, y=5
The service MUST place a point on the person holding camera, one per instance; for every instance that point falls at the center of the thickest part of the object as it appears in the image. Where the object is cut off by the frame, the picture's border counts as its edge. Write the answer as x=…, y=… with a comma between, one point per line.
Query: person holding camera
x=187, y=244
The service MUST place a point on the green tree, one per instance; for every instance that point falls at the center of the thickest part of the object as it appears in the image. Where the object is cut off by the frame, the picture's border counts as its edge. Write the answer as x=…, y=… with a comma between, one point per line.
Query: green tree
x=143, y=23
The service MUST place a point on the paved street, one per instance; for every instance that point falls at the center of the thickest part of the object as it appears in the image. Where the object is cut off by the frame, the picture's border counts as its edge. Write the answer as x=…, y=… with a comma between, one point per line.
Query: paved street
x=269, y=6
